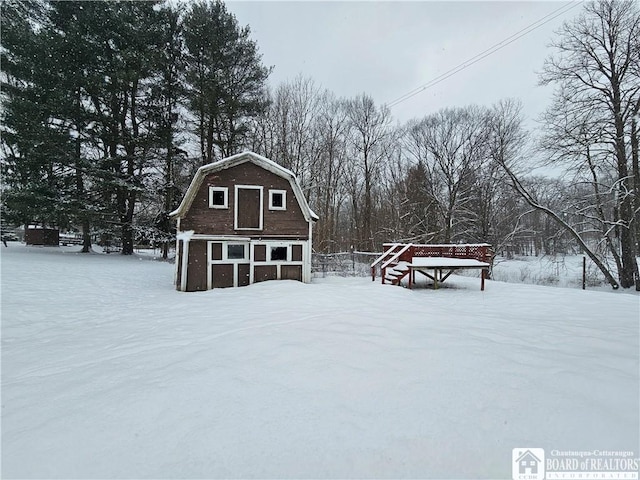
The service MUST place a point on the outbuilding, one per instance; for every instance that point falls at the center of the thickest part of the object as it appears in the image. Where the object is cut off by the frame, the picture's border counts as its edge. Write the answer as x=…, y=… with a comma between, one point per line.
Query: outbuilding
x=243, y=219
x=39, y=235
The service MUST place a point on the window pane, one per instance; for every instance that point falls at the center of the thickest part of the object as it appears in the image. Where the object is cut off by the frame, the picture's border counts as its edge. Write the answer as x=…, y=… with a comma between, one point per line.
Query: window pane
x=278, y=253
x=217, y=198
x=277, y=200
x=235, y=252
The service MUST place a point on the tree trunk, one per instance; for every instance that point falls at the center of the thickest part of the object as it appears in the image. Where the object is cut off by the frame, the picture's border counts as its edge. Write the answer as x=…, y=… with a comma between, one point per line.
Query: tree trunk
x=127, y=238
x=606, y=235
x=129, y=202
x=636, y=178
x=168, y=182
x=627, y=238
x=80, y=190
x=367, y=240
x=86, y=236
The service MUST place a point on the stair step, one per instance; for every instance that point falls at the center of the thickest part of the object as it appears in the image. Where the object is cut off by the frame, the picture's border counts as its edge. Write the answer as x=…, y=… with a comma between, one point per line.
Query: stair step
x=397, y=271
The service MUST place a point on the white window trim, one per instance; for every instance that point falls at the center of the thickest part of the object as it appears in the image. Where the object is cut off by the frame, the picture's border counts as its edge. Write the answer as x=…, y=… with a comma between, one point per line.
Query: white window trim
x=226, y=260
x=277, y=245
x=284, y=200
x=235, y=207
x=225, y=252
x=225, y=191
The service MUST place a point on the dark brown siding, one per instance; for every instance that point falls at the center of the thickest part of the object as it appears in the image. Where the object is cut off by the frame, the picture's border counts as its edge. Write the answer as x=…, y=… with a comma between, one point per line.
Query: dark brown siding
x=296, y=253
x=243, y=274
x=265, y=272
x=248, y=208
x=205, y=220
x=216, y=251
x=291, y=272
x=260, y=253
x=197, y=269
x=222, y=275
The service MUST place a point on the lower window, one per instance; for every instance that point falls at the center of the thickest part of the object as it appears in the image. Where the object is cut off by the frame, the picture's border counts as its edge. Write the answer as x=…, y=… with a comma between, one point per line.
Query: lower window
x=235, y=252
x=278, y=254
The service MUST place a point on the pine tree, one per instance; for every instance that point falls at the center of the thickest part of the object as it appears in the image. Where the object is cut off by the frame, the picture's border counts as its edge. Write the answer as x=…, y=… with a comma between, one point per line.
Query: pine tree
x=37, y=174
x=128, y=37
x=168, y=97
x=225, y=76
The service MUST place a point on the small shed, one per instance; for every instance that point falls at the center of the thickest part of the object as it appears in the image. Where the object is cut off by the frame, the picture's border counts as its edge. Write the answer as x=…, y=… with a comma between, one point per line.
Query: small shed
x=38, y=235
x=243, y=219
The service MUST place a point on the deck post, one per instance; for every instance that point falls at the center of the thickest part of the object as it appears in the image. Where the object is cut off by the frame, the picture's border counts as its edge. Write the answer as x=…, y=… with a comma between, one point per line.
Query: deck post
x=482, y=273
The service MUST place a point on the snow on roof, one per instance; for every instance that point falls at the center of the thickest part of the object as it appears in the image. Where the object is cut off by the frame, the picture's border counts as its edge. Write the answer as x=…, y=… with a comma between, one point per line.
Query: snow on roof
x=238, y=159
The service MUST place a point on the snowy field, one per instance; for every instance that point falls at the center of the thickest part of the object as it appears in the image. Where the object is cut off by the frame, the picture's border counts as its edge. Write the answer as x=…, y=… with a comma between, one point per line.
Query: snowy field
x=108, y=372
x=550, y=270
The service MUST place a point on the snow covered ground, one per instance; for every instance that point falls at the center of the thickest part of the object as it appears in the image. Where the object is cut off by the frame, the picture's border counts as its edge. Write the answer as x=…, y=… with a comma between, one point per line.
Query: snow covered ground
x=108, y=372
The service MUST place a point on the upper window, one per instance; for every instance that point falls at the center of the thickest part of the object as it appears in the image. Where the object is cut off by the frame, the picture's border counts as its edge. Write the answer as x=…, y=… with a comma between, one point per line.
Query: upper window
x=218, y=197
x=277, y=199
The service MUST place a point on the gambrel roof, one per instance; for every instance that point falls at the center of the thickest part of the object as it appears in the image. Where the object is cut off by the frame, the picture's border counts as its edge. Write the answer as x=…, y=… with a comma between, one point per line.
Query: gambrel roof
x=239, y=159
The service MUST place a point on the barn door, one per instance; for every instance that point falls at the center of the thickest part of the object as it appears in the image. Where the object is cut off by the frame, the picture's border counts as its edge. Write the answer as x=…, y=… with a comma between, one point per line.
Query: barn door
x=197, y=266
x=248, y=207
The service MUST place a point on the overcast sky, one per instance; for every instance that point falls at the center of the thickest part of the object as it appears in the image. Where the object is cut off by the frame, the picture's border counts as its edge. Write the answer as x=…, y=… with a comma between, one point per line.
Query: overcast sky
x=387, y=49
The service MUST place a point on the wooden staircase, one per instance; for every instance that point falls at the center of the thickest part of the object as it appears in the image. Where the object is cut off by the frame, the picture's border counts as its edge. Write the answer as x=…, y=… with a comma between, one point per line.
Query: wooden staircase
x=395, y=273
x=392, y=263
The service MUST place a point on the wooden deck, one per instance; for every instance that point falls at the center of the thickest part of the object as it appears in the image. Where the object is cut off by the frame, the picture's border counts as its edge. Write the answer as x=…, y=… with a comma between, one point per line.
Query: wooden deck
x=436, y=262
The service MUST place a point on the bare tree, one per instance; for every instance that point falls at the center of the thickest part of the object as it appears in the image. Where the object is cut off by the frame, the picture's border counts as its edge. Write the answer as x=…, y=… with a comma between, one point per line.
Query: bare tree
x=451, y=145
x=370, y=126
x=572, y=138
x=506, y=124
x=328, y=186
x=596, y=68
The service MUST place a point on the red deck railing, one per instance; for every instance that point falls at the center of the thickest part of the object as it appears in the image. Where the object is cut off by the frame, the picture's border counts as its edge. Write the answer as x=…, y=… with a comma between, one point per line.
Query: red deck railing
x=476, y=251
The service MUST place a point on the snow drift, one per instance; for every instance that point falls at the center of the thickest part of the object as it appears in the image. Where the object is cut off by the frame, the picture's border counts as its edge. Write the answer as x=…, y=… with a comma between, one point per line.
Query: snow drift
x=108, y=372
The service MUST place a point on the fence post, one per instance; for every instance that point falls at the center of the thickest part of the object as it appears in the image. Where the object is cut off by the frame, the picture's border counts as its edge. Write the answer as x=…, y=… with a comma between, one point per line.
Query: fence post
x=353, y=261
x=584, y=273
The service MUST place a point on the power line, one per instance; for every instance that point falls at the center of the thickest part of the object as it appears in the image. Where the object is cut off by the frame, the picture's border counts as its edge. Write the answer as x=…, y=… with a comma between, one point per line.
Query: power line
x=498, y=46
